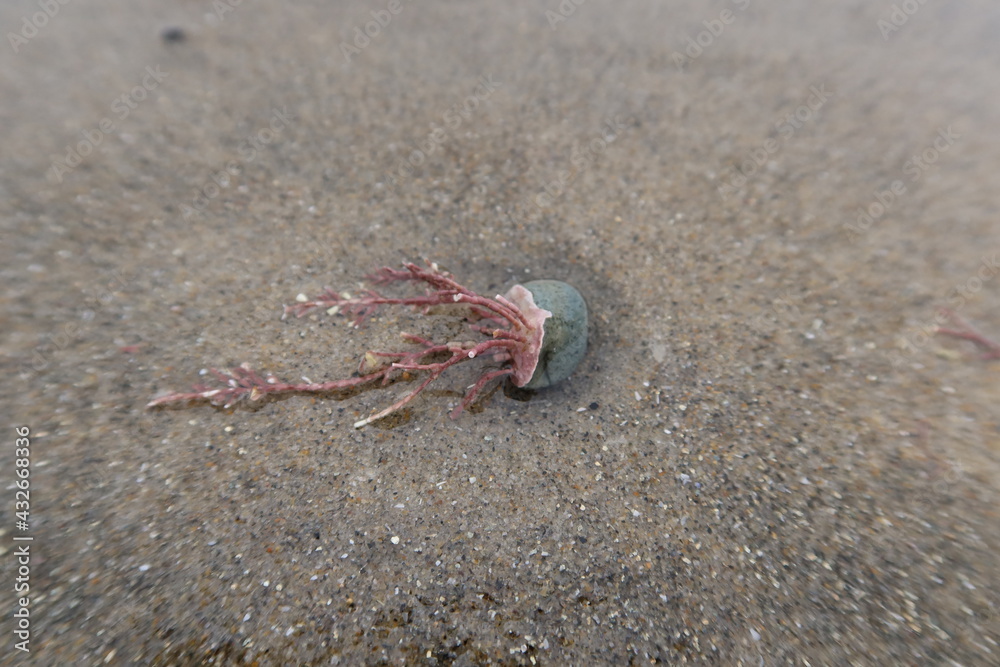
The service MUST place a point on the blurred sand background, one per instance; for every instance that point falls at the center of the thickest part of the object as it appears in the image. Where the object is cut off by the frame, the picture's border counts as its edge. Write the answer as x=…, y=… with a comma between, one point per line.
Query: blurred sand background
x=773, y=463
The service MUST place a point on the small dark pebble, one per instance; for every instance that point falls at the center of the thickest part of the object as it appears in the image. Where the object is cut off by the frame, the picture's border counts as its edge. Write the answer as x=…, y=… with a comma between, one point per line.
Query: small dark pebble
x=173, y=35
x=593, y=406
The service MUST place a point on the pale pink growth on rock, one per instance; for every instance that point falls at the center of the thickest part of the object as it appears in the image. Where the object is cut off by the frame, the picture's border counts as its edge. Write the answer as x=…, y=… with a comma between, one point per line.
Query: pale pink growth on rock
x=525, y=358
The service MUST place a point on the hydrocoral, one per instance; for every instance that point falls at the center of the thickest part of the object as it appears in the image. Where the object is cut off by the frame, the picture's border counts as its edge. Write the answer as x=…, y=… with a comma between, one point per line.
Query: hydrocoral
x=514, y=333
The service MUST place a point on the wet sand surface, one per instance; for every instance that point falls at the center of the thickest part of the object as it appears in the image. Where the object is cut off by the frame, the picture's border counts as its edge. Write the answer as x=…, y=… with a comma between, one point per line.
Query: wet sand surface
x=764, y=457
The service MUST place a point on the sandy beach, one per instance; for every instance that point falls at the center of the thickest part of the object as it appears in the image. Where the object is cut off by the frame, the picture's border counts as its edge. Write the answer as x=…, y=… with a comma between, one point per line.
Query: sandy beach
x=767, y=456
